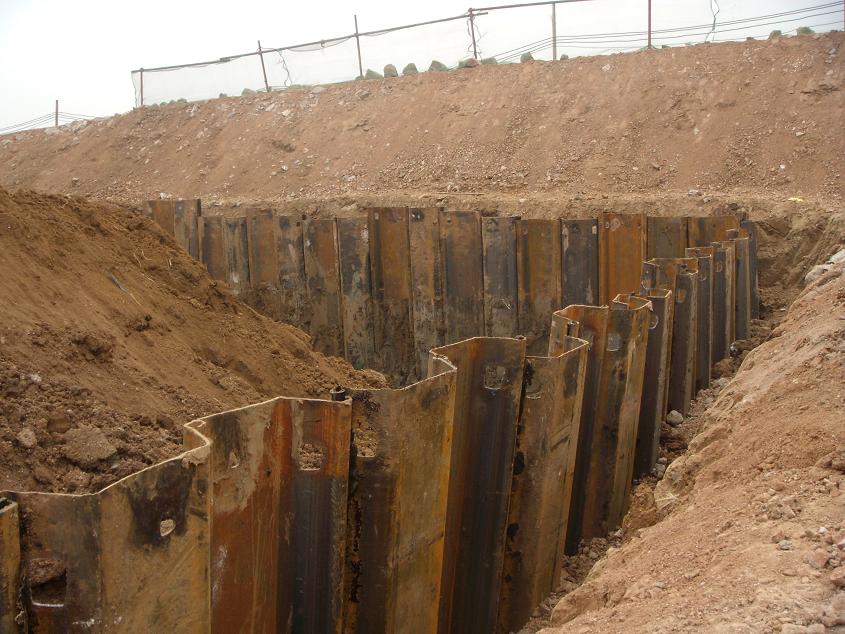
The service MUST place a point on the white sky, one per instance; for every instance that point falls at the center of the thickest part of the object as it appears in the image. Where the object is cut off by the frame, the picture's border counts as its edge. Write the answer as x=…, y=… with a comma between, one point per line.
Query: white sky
x=82, y=52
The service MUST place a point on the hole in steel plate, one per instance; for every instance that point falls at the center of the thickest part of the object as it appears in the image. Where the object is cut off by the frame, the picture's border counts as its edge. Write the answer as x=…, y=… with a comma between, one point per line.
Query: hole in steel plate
x=655, y=320
x=311, y=457
x=47, y=582
x=614, y=341
x=495, y=376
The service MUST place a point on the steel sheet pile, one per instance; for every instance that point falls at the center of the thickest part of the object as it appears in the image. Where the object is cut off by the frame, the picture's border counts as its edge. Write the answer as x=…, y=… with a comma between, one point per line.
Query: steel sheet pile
x=445, y=505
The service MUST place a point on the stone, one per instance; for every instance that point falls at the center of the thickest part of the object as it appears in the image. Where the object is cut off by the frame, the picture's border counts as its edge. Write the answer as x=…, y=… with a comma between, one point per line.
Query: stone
x=785, y=544
x=86, y=446
x=660, y=471
x=815, y=273
x=792, y=628
x=817, y=559
x=390, y=71
x=674, y=418
x=564, y=57
x=837, y=577
x=804, y=30
x=775, y=34
x=58, y=422
x=371, y=74
x=489, y=60
x=437, y=67
x=410, y=69
x=526, y=57
x=470, y=62
x=316, y=90
x=246, y=92
x=837, y=258
x=26, y=438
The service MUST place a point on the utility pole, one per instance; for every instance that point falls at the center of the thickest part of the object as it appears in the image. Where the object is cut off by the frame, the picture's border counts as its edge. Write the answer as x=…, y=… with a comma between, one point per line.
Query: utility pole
x=57, y=113
x=472, y=31
x=263, y=69
x=649, y=24
x=142, y=87
x=358, y=44
x=554, y=32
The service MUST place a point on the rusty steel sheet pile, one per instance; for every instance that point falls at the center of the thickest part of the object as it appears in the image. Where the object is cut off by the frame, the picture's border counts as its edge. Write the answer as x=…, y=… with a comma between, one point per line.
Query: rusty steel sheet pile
x=179, y=218
x=655, y=399
x=446, y=505
x=680, y=275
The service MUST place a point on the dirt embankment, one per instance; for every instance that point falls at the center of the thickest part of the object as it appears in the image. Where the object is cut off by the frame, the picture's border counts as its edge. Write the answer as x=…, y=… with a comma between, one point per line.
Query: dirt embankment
x=750, y=117
x=111, y=337
x=745, y=532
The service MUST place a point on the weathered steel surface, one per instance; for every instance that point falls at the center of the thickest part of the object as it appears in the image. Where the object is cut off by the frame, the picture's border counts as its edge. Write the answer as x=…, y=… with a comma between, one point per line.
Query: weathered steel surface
x=621, y=254
x=10, y=560
x=293, y=298
x=132, y=558
x=701, y=231
x=666, y=237
x=655, y=379
x=704, y=352
x=179, y=219
x=542, y=480
x=237, y=254
x=353, y=242
x=279, y=487
x=390, y=262
x=680, y=275
x=463, y=280
x=487, y=400
x=754, y=242
x=719, y=347
x=398, y=487
x=213, y=246
x=263, y=263
x=498, y=236
x=742, y=321
x=730, y=292
x=579, y=262
x=322, y=280
x=427, y=284
x=539, y=271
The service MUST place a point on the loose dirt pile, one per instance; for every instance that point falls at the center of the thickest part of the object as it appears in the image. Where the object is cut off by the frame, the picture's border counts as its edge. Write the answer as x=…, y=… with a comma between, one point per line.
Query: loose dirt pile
x=753, y=116
x=112, y=337
x=745, y=532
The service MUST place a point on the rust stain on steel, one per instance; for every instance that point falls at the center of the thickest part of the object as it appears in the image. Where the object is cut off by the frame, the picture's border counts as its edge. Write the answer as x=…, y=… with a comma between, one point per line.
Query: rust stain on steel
x=614, y=444
x=680, y=275
x=592, y=323
x=263, y=263
x=237, y=254
x=704, y=353
x=579, y=262
x=390, y=261
x=293, y=299
x=742, y=320
x=353, y=242
x=753, y=244
x=666, y=237
x=279, y=485
x=498, y=236
x=655, y=379
x=10, y=560
x=398, y=489
x=723, y=299
x=132, y=557
x=426, y=282
x=213, y=246
x=179, y=219
x=487, y=402
x=701, y=231
x=542, y=480
x=621, y=254
x=322, y=280
x=463, y=282
x=539, y=270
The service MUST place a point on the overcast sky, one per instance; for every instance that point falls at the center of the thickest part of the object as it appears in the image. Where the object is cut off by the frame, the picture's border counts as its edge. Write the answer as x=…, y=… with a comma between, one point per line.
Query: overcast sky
x=82, y=52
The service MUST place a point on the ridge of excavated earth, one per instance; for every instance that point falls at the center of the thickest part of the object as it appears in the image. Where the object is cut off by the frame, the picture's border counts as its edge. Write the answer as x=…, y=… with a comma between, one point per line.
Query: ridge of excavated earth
x=112, y=337
x=760, y=116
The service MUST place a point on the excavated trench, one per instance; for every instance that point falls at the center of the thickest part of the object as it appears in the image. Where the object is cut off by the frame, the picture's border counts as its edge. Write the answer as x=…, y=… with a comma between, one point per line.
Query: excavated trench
x=517, y=432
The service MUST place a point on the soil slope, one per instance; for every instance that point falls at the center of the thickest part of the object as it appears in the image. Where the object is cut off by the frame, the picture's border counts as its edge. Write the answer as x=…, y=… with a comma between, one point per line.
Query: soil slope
x=111, y=337
x=753, y=116
x=753, y=538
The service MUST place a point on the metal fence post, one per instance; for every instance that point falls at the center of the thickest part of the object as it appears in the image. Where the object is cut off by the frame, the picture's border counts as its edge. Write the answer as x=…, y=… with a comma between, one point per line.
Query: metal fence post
x=263, y=69
x=142, y=87
x=554, y=32
x=649, y=24
x=57, y=113
x=358, y=44
x=472, y=32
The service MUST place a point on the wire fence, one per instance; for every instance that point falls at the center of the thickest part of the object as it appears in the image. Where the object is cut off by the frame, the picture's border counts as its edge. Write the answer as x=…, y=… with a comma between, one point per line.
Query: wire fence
x=495, y=34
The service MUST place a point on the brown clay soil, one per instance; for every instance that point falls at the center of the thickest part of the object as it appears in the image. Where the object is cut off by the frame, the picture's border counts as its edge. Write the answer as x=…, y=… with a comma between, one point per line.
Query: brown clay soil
x=111, y=337
x=761, y=117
